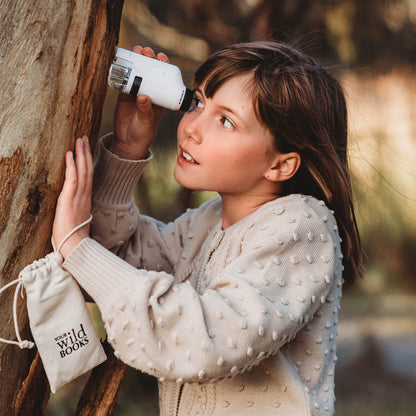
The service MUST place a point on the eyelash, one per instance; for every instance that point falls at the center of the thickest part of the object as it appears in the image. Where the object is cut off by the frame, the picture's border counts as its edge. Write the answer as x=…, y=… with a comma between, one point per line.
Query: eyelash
x=195, y=102
x=224, y=120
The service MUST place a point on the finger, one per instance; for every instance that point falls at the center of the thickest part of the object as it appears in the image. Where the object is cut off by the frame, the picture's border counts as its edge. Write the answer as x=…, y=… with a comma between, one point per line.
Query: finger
x=148, y=52
x=144, y=104
x=90, y=164
x=162, y=57
x=88, y=155
x=81, y=165
x=138, y=49
x=70, y=184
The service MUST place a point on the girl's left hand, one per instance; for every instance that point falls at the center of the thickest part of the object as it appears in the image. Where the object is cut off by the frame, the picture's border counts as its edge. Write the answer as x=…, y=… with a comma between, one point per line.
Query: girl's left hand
x=74, y=202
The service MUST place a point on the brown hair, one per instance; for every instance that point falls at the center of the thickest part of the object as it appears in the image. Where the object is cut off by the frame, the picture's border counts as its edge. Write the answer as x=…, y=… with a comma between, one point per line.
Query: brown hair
x=304, y=108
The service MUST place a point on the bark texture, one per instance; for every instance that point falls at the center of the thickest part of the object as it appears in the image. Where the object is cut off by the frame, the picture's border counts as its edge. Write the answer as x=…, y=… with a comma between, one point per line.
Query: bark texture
x=54, y=60
x=99, y=397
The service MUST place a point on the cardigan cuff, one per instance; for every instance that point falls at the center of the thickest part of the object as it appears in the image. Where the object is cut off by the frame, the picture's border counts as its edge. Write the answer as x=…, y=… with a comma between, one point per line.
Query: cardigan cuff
x=98, y=271
x=115, y=178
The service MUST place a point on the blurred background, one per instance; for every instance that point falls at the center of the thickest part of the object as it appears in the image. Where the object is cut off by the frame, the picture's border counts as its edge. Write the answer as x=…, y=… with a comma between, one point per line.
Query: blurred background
x=371, y=47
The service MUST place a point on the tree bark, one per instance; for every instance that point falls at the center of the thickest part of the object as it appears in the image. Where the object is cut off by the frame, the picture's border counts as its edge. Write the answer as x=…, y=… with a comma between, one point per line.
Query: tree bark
x=54, y=60
x=99, y=397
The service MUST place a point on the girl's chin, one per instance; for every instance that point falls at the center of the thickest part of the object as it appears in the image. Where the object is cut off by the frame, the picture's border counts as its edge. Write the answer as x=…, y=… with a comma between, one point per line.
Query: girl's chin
x=188, y=179
x=188, y=184
x=181, y=178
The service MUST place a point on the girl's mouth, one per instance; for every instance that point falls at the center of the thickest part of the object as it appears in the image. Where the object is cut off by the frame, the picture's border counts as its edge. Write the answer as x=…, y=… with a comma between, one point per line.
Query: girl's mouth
x=188, y=157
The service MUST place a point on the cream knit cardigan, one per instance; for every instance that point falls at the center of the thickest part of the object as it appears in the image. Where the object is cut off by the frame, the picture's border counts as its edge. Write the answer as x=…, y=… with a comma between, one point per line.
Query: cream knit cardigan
x=241, y=321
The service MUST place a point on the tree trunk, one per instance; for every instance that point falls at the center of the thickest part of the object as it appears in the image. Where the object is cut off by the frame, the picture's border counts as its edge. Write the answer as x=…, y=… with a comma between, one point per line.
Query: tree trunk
x=54, y=60
x=99, y=397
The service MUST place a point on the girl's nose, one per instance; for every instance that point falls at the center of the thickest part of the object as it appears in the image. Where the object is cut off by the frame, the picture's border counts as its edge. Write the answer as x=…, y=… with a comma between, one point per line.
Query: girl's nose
x=192, y=127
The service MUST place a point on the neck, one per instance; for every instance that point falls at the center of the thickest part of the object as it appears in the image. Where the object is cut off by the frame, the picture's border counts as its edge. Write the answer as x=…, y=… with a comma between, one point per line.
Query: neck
x=237, y=207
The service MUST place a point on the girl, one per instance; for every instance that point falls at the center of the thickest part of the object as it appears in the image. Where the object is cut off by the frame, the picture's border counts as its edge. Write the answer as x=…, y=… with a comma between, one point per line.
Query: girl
x=233, y=306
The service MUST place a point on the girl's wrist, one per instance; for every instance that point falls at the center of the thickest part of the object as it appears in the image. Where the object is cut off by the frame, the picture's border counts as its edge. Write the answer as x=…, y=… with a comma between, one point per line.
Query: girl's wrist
x=136, y=151
x=69, y=245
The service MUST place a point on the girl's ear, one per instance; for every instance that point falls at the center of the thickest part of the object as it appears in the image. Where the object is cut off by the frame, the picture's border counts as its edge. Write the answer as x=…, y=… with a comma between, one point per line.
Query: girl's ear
x=285, y=165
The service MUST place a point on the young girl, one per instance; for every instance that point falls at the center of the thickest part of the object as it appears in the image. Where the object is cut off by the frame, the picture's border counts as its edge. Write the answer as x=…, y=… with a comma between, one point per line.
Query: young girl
x=233, y=306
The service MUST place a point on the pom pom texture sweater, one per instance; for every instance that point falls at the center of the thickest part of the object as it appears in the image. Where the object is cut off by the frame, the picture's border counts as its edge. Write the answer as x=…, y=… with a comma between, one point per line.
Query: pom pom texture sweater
x=241, y=321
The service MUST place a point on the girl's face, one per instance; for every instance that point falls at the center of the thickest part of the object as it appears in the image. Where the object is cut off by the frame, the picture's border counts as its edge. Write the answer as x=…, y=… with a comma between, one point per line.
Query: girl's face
x=221, y=145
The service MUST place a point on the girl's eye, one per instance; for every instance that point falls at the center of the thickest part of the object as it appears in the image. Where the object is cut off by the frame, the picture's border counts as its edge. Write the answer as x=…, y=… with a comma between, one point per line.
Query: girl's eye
x=227, y=123
x=196, y=103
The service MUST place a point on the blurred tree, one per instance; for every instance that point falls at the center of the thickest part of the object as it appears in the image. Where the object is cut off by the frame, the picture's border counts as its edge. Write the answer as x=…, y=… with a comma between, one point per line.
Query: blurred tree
x=376, y=33
x=380, y=33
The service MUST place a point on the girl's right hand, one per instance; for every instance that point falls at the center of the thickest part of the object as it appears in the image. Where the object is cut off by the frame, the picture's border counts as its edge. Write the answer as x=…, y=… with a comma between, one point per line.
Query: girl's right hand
x=74, y=202
x=136, y=119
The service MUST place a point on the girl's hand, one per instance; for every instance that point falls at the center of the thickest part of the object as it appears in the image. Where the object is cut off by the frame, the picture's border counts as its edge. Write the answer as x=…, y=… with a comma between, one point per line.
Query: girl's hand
x=136, y=120
x=74, y=202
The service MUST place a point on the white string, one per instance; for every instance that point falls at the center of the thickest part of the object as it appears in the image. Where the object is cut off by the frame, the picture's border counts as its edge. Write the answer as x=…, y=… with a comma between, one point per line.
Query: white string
x=70, y=234
x=21, y=343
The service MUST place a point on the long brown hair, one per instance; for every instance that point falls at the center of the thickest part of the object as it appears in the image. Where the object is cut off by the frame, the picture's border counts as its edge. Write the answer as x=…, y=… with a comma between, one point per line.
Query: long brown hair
x=304, y=108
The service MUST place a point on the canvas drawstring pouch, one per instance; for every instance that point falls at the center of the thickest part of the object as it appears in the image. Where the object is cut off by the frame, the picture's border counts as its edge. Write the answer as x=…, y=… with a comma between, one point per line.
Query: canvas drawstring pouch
x=59, y=319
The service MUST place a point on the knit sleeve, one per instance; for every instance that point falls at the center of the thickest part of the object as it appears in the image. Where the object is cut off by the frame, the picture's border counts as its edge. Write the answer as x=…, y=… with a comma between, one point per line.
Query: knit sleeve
x=115, y=216
x=281, y=275
x=117, y=224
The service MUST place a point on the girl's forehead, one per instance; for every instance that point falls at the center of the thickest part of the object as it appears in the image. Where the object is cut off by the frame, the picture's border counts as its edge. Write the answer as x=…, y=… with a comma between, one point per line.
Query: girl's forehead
x=243, y=83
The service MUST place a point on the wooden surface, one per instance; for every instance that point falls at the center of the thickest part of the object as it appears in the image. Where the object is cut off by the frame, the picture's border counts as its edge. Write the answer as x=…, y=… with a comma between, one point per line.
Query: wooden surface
x=54, y=60
x=100, y=394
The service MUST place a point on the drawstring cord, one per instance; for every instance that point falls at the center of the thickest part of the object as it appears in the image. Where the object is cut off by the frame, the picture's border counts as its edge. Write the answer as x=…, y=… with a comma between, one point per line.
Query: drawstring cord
x=19, y=287
x=21, y=343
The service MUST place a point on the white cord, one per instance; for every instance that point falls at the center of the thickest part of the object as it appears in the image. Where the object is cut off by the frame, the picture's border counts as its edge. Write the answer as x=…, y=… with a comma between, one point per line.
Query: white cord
x=21, y=343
